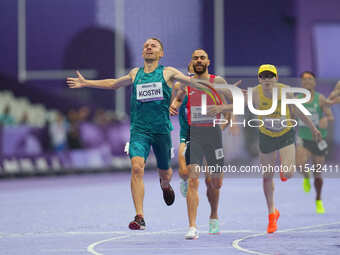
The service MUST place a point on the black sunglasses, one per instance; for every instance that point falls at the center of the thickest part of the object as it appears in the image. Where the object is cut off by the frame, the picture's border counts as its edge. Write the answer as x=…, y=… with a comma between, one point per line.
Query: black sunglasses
x=267, y=75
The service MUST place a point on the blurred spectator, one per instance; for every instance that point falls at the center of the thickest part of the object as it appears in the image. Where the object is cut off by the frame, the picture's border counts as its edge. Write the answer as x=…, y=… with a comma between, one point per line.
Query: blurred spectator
x=58, y=133
x=73, y=135
x=72, y=116
x=30, y=144
x=24, y=119
x=100, y=118
x=83, y=114
x=5, y=118
x=113, y=118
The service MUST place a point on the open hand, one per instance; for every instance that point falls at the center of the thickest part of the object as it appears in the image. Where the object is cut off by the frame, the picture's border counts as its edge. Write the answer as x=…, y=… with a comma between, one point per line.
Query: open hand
x=76, y=83
x=316, y=135
x=173, y=110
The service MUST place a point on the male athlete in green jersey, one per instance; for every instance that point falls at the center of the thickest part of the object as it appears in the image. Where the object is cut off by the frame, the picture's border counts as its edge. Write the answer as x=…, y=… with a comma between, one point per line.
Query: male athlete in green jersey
x=150, y=122
x=306, y=146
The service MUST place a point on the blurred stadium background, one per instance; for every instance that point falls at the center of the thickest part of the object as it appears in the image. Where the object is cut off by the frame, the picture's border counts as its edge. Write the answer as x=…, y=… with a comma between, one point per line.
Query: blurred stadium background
x=47, y=128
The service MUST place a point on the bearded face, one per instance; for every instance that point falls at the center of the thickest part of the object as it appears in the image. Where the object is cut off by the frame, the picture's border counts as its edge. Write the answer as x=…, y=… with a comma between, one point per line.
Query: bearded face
x=200, y=68
x=200, y=61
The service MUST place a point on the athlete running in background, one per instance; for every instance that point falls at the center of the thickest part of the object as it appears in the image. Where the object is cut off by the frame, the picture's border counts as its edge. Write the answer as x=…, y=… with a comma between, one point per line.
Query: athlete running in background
x=204, y=142
x=274, y=137
x=307, y=148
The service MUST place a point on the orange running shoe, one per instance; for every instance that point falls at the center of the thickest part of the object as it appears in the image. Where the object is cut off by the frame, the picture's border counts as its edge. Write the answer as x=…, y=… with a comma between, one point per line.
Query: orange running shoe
x=272, y=225
x=282, y=177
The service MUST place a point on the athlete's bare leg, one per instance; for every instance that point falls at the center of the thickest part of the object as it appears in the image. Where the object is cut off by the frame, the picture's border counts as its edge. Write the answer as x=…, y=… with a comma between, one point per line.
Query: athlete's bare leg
x=213, y=183
x=183, y=169
x=137, y=183
x=192, y=195
x=302, y=156
x=287, y=156
x=318, y=181
x=268, y=182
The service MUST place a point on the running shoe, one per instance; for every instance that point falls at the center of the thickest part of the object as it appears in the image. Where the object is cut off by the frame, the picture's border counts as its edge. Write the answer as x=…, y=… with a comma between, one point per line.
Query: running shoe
x=282, y=177
x=168, y=194
x=273, y=218
x=138, y=223
x=214, y=228
x=319, y=207
x=306, y=185
x=192, y=234
x=184, y=187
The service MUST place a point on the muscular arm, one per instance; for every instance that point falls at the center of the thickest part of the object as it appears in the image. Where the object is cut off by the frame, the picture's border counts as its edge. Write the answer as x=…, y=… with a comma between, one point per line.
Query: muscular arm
x=178, y=99
x=172, y=74
x=334, y=97
x=336, y=100
x=81, y=82
x=327, y=112
x=180, y=94
x=220, y=88
x=326, y=109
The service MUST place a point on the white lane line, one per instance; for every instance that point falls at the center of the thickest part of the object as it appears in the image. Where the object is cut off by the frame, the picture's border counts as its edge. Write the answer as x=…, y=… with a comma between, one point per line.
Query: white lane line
x=91, y=247
x=319, y=231
x=238, y=247
x=309, y=227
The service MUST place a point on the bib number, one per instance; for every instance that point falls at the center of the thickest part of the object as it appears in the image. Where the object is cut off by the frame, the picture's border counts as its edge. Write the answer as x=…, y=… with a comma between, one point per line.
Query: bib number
x=147, y=92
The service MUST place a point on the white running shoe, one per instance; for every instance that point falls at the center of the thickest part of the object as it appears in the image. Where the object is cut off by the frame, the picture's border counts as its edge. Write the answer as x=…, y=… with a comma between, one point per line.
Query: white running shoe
x=191, y=234
x=184, y=187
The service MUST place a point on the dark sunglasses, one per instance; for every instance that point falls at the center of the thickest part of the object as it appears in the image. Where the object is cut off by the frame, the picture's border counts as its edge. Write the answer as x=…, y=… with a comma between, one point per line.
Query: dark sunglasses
x=267, y=75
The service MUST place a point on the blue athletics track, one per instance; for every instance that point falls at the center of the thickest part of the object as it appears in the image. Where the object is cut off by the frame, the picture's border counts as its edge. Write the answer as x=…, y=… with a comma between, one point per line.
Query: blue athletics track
x=89, y=214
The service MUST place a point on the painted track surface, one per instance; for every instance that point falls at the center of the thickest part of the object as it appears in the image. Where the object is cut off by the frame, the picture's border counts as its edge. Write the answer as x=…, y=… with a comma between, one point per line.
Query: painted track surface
x=89, y=214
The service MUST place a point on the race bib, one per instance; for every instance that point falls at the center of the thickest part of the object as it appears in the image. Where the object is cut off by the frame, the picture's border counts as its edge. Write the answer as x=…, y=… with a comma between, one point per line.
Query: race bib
x=219, y=154
x=197, y=117
x=322, y=145
x=152, y=91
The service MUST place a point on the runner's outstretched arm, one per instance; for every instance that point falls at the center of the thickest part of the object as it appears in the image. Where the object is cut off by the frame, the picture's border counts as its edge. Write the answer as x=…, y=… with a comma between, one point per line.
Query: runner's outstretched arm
x=81, y=82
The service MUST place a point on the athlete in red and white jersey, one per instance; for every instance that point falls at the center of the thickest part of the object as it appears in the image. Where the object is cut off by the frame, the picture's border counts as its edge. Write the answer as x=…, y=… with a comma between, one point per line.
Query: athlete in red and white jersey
x=205, y=142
